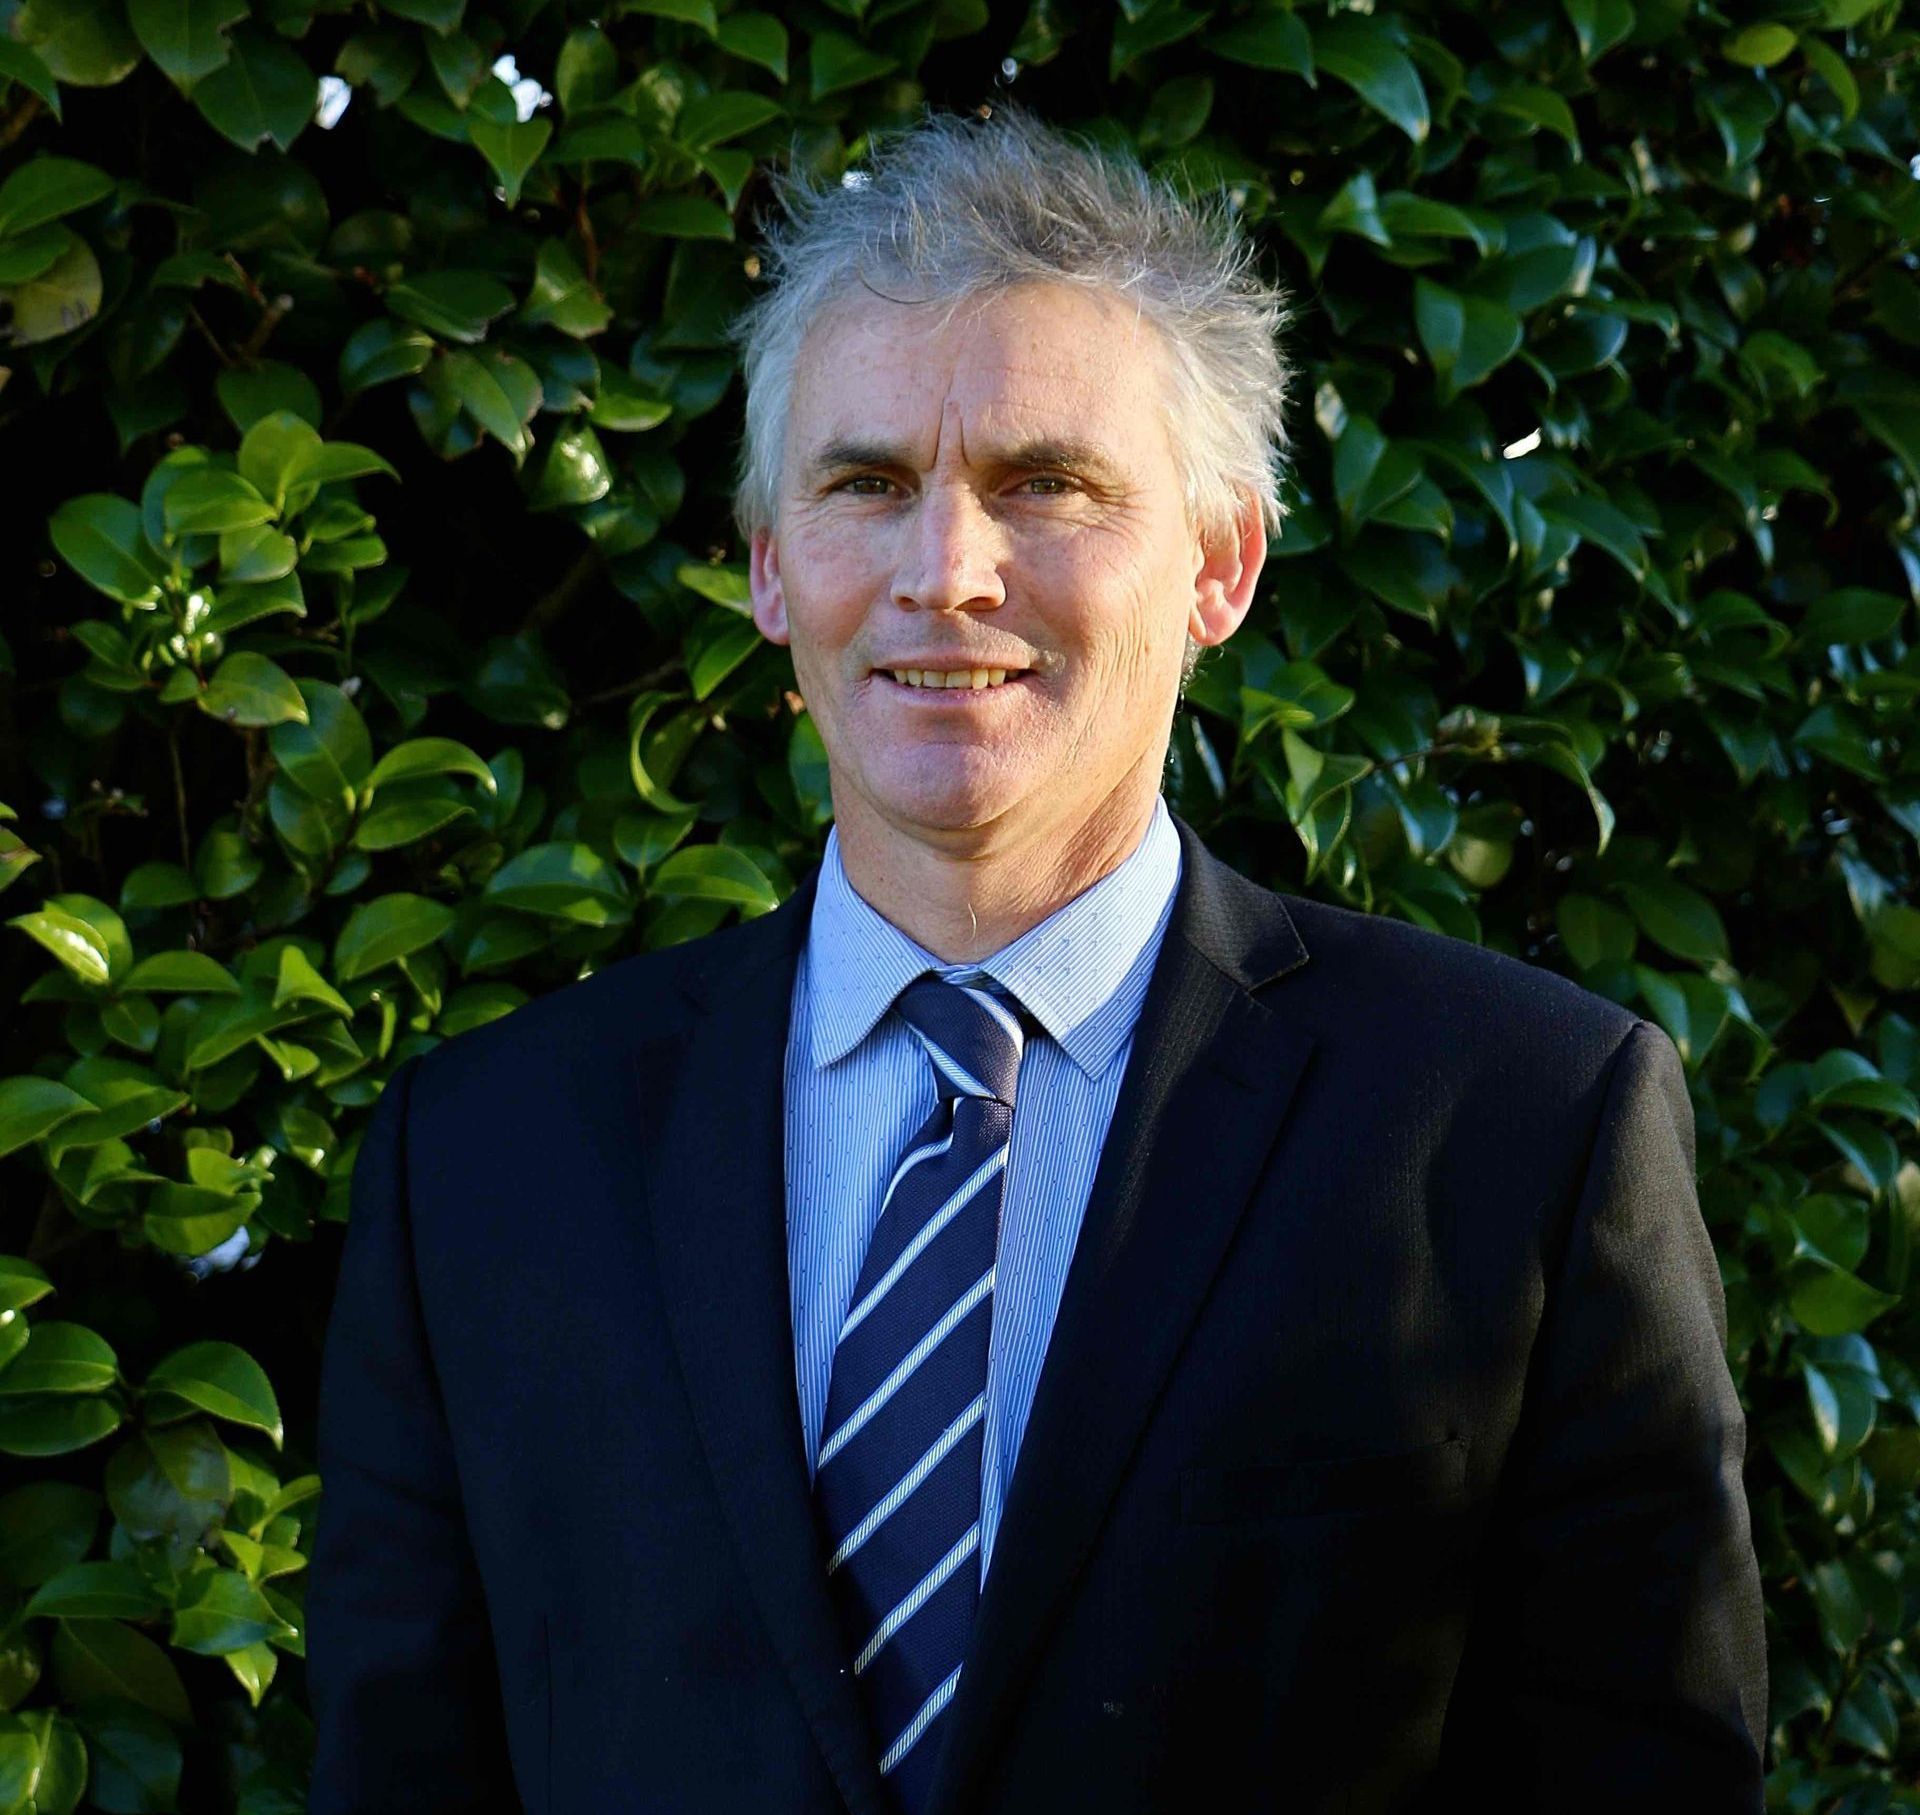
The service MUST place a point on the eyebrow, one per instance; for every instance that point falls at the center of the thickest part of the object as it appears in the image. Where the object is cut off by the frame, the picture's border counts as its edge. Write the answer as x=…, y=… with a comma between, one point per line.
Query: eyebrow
x=1063, y=451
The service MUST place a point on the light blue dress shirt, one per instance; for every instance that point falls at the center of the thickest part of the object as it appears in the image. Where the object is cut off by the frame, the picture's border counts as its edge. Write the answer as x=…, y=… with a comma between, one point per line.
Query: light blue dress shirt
x=858, y=1087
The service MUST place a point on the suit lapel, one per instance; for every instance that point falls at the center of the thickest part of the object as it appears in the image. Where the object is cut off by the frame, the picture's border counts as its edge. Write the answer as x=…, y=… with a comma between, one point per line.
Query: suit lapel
x=1207, y=1086
x=712, y=1101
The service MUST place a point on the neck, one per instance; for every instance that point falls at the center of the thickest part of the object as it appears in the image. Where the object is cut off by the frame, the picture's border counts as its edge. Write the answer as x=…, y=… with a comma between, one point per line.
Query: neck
x=965, y=895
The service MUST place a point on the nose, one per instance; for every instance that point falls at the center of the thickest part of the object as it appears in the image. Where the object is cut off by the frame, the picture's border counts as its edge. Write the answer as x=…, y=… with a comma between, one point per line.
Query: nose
x=950, y=554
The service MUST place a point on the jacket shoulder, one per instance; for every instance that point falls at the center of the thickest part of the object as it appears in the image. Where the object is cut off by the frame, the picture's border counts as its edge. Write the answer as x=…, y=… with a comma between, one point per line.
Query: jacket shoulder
x=1440, y=1001
x=642, y=996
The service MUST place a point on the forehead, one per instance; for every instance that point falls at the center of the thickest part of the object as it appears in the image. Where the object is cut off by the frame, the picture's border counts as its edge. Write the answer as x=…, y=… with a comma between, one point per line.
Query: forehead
x=1050, y=358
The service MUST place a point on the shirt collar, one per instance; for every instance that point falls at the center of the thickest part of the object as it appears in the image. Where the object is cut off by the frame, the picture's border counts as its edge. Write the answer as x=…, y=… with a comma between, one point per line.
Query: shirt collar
x=1081, y=973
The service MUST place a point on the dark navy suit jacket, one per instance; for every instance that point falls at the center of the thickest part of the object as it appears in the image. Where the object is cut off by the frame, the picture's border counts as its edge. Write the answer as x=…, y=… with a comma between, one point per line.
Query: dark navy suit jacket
x=1385, y=1452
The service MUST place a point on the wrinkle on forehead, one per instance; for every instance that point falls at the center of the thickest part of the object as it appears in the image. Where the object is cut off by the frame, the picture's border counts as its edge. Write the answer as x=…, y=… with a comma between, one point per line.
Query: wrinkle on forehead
x=1010, y=365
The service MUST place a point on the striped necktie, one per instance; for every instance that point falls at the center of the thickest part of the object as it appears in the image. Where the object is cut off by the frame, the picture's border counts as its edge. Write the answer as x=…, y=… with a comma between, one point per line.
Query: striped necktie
x=898, y=1478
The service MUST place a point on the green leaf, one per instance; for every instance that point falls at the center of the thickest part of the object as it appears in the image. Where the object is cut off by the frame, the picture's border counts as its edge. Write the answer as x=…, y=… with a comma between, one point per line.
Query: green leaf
x=192, y=1219
x=382, y=350
x=328, y=462
x=622, y=404
x=512, y=149
x=691, y=12
x=439, y=16
x=219, y=1610
x=1600, y=25
x=101, y=538
x=170, y=1482
x=682, y=217
x=19, y=64
x=187, y=38
x=756, y=38
x=250, y=556
x=64, y=296
x=1605, y=526
x=1851, y=614
x=706, y=120
x=612, y=138
x=1761, y=46
x=716, y=872
x=1468, y=338
x=72, y=938
x=1828, y=1300
x=1676, y=918
x=726, y=586
x=248, y=393
x=271, y=450
x=47, y=189
x=22, y=1283
x=99, y=1661
x=55, y=1426
x=836, y=62
x=213, y=501
x=398, y=822
x=249, y=689
x=379, y=932
x=498, y=391
x=564, y=881
x=222, y=1380
x=31, y=1108
x=60, y=1358
x=151, y=885
x=574, y=472
x=456, y=305
x=1364, y=51
x=561, y=295
x=125, y=1096
x=430, y=756
x=1828, y=64
x=33, y=253
x=96, y=1591
x=265, y=90
x=181, y=971
x=1269, y=38
x=1538, y=106
x=44, y=1527
x=298, y=981
x=85, y=42
x=587, y=70
x=716, y=645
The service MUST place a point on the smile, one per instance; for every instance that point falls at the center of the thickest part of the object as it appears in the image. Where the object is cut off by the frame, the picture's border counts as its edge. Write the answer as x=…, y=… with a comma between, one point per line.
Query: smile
x=963, y=680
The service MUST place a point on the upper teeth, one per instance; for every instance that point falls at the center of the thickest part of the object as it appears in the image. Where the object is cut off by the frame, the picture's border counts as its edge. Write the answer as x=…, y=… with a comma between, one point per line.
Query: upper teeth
x=957, y=677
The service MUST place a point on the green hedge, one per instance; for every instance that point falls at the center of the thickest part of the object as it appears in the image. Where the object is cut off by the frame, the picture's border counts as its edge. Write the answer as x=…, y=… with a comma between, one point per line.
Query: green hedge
x=376, y=657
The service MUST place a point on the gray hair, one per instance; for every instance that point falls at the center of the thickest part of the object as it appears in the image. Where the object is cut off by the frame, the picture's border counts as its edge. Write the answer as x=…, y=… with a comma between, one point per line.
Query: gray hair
x=962, y=205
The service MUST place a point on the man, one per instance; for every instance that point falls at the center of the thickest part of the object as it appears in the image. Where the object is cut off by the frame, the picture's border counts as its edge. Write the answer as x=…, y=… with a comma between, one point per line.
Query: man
x=1038, y=1322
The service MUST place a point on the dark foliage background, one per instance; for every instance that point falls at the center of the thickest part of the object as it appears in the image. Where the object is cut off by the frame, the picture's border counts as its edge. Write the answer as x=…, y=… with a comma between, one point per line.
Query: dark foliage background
x=375, y=657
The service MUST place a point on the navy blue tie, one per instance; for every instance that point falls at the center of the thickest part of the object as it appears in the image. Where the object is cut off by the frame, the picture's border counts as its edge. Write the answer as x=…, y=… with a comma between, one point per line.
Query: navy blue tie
x=898, y=1477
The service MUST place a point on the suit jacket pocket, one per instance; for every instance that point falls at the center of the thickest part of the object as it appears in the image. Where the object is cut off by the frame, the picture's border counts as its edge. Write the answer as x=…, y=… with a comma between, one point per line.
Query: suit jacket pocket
x=1433, y=1476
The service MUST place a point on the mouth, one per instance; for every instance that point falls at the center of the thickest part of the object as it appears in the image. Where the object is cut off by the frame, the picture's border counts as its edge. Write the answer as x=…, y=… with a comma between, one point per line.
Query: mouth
x=953, y=685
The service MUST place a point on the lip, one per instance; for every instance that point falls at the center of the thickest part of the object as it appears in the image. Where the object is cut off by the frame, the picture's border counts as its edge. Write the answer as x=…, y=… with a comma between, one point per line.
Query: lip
x=945, y=664
x=953, y=696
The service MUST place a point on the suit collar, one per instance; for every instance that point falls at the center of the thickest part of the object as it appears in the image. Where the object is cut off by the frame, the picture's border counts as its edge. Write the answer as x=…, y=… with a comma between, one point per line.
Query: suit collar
x=1074, y=972
x=1206, y=1091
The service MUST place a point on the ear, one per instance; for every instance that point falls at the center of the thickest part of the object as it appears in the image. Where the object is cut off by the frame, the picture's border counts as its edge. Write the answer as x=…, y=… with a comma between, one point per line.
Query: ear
x=763, y=581
x=1227, y=573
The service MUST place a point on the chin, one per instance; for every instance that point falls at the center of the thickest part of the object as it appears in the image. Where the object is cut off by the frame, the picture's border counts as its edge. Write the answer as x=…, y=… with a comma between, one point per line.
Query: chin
x=961, y=798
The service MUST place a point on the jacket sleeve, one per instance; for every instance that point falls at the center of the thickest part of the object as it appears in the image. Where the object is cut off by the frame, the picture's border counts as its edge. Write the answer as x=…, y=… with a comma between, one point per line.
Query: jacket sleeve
x=1617, y=1645
x=401, y=1676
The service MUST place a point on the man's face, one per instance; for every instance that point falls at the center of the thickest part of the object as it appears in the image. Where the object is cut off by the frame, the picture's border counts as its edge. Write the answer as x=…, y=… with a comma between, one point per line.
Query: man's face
x=997, y=493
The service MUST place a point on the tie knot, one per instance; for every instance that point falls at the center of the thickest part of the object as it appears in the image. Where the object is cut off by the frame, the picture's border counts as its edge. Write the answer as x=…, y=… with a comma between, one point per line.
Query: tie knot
x=973, y=1036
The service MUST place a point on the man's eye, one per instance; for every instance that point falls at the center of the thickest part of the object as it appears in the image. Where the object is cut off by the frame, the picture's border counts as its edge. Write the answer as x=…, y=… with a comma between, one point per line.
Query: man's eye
x=1058, y=479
